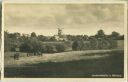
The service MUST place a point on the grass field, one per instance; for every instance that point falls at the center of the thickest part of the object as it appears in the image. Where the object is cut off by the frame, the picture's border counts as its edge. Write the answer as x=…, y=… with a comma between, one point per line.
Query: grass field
x=66, y=64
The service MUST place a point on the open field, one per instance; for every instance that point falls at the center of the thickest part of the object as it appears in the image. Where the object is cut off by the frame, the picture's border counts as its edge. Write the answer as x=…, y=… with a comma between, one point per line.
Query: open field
x=66, y=64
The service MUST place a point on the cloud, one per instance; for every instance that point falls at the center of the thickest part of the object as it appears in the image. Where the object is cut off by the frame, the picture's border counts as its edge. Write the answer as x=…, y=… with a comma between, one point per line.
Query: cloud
x=97, y=12
x=69, y=16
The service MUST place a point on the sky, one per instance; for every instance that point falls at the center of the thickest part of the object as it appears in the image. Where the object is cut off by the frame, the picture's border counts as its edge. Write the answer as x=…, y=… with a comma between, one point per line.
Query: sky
x=75, y=19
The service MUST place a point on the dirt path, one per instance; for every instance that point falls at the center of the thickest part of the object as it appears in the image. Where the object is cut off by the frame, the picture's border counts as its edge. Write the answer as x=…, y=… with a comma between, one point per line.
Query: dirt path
x=56, y=57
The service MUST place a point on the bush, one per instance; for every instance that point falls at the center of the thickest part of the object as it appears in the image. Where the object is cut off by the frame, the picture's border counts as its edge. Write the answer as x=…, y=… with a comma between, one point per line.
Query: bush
x=60, y=47
x=86, y=46
x=113, y=43
x=75, y=45
x=50, y=49
x=43, y=48
x=78, y=45
x=26, y=47
x=93, y=43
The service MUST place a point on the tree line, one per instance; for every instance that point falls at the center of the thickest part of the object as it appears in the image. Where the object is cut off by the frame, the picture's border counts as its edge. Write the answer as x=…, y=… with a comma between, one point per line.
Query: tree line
x=34, y=43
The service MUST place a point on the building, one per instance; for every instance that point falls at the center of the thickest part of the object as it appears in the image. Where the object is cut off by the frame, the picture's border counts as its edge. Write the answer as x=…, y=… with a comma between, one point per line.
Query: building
x=60, y=36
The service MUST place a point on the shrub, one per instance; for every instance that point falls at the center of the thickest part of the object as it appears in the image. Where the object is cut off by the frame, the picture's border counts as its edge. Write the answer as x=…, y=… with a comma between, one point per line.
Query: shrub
x=86, y=46
x=75, y=45
x=43, y=48
x=94, y=43
x=60, y=47
x=78, y=45
x=26, y=47
x=50, y=49
x=113, y=44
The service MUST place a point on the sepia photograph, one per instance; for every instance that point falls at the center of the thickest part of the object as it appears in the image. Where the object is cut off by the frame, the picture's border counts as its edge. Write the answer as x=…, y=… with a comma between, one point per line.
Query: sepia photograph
x=64, y=40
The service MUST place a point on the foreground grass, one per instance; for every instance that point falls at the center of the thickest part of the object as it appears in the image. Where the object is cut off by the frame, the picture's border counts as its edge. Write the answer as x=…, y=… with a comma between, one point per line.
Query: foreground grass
x=109, y=64
x=55, y=57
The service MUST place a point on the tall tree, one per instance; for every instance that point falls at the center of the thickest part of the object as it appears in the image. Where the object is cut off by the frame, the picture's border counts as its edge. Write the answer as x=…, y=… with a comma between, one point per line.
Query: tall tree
x=100, y=34
x=33, y=34
x=115, y=35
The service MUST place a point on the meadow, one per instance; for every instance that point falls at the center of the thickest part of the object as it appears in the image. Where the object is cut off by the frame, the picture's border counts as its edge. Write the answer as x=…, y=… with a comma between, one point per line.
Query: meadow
x=70, y=64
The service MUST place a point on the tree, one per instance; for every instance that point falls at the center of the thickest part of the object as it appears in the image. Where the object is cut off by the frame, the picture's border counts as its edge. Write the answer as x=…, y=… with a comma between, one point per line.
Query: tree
x=60, y=47
x=78, y=45
x=115, y=35
x=50, y=49
x=100, y=34
x=75, y=45
x=11, y=41
x=7, y=41
x=121, y=37
x=85, y=37
x=33, y=34
x=17, y=35
x=24, y=37
x=42, y=38
x=26, y=46
x=52, y=38
x=32, y=45
x=43, y=48
x=93, y=43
